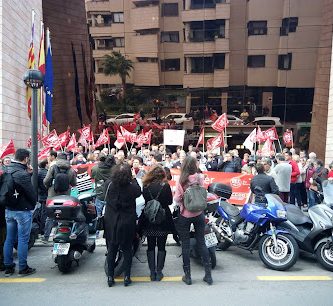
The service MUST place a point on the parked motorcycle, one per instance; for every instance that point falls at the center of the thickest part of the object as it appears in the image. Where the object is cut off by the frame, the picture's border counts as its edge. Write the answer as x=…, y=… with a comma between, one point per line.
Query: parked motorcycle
x=314, y=233
x=210, y=236
x=254, y=227
x=76, y=228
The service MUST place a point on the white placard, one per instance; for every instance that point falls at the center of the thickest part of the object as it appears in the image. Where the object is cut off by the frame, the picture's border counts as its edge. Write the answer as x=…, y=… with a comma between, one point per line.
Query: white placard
x=174, y=137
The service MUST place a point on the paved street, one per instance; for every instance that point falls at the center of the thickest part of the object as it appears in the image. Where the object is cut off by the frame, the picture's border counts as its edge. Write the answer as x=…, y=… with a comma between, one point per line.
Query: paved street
x=239, y=279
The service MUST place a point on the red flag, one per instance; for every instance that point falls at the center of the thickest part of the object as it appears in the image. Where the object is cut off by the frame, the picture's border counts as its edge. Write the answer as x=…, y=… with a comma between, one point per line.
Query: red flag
x=51, y=140
x=157, y=126
x=215, y=142
x=271, y=134
x=136, y=116
x=104, y=138
x=144, y=138
x=44, y=153
x=288, y=138
x=201, y=139
x=120, y=141
x=129, y=137
x=260, y=135
x=7, y=149
x=64, y=137
x=129, y=126
x=29, y=143
x=72, y=144
x=221, y=123
x=85, y=134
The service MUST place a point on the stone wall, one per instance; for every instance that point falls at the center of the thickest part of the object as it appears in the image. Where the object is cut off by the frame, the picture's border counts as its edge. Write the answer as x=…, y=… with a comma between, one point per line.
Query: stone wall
x=321, y=139
x=15, y=37
x=67, y=23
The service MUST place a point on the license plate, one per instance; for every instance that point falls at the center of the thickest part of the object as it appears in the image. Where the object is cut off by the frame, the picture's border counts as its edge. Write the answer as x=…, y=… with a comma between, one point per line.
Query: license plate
x=61, y=248
x=210, y=240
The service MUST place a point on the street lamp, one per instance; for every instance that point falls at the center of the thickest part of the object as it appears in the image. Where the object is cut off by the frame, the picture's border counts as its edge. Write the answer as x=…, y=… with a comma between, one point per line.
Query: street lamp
x=34, y=79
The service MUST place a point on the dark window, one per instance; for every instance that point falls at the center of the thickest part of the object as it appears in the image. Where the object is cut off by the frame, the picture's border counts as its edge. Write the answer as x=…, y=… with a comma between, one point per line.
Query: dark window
x=169, y=9
x=118, y=17
x=285, y=61
x=201, y=65
x=170, y=64
x=119, y=42
x=200, y=4
x=256, y=61
x=170, y=37
x=219, y=60
x=147, y=59
x=257, y=28
x=289, y=25
x=207, y=30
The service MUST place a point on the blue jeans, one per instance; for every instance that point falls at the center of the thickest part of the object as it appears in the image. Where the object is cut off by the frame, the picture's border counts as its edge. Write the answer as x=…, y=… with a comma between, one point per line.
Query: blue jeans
x=18, y=229
x=99, y=206
x=312, y=198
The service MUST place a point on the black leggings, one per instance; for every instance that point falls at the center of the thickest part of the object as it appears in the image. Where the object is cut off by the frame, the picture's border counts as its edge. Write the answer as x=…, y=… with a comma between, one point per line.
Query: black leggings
x=160, y=241
x=112, y=253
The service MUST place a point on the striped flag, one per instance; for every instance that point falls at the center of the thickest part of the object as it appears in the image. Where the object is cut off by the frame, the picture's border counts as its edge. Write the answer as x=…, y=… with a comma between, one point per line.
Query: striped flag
x=31, y=62
x=48, y=80
x=41, y=67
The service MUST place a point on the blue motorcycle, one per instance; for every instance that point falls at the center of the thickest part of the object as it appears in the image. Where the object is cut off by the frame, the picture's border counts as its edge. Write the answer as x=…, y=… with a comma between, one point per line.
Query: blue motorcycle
x=255, y=226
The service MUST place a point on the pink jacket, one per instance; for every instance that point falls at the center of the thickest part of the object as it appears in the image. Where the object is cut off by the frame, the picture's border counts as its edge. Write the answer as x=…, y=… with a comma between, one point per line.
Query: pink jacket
x=197, y=178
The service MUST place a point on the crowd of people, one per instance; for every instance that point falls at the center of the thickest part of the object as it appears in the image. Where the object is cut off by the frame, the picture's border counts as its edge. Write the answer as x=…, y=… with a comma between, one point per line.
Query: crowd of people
x=295, y=176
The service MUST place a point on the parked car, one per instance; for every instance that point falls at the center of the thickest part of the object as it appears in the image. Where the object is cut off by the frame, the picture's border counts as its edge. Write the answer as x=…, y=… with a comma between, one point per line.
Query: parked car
x=179, y=118
x=122, y=118
x=270, y=121
x=233, y=120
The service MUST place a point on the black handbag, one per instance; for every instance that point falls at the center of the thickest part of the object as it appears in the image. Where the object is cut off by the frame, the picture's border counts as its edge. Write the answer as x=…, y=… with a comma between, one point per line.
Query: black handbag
x=100, y=219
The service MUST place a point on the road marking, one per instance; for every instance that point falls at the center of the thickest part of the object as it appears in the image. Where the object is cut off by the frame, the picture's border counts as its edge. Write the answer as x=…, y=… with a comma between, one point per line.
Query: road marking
x=295, y=278
x=22, y=280
x=143, y=279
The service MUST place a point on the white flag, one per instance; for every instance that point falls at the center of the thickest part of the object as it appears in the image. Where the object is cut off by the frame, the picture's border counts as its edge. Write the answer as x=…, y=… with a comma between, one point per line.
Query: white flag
x=173, y=137
x=250, y=140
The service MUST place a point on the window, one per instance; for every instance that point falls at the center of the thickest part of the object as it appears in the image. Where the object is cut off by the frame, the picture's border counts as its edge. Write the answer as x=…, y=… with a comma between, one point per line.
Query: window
x=119, y=42
x=147, y=59
x=257, y=28
x=170, y=64
x=200, y=4
x=169, y=9
x=289, y=25
x=285, y=61
x=219, y=60
x=118, y=17
x=207, y=30
x=201, y=65
x=170, y=37
x=104, y=44
x=256, y=61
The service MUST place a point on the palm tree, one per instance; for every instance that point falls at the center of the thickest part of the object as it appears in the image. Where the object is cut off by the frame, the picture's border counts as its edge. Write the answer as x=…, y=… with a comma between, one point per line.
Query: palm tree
x=117, y=64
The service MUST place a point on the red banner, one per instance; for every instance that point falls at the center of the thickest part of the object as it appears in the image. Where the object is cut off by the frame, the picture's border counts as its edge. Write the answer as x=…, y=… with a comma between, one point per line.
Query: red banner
x=44, y=153
x=104, y=138
x=216, y=142
x=288, y=138
x=7, y=149
x=51, y=140
x=221, y=123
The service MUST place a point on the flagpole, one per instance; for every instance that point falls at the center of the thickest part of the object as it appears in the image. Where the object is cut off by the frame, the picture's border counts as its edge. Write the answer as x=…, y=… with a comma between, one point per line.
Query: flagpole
x=292, y=139
x=203, y=143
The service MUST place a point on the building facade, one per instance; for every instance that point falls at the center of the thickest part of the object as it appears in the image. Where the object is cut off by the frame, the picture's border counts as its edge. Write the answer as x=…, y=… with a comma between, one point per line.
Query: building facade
x=257, y=54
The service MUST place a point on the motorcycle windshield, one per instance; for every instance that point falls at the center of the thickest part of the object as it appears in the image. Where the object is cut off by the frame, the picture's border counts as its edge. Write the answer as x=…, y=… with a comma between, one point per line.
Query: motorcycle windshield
x=274, y=202
x=328, y=192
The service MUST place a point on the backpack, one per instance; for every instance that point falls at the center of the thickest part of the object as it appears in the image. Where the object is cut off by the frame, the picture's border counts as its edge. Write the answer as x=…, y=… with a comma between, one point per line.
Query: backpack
x=153, y=210
x=195, y=198
x=9, y=197
x=61, y=180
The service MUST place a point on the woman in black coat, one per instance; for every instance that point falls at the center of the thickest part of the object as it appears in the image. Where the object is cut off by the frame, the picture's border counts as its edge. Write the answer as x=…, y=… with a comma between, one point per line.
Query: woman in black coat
x=120, y=218
x=155, y=186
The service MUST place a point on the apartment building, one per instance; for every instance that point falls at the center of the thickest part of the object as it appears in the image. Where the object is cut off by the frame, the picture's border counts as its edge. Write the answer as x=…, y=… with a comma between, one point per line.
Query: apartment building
x=256, y=54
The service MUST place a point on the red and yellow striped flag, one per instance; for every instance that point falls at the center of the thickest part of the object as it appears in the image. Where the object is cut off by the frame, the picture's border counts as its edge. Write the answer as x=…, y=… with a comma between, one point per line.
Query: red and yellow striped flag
x=41, y=68
x=31, y=64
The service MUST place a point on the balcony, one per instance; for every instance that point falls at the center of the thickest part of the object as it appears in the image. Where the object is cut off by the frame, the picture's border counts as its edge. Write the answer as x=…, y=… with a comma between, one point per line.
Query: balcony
x=98, y=6
x=102, y=52
x=221, y=78
x=198, y=80
x=144, y=18
x=146, y=74
x=100, y=31
x=145, y=45
x=220, y=11
x=222, y=45
x=101, y=78
x=199, y=47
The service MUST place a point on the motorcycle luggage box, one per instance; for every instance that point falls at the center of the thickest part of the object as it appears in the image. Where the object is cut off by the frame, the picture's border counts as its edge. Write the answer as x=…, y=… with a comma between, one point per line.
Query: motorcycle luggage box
x=222, y=190
x=212, y=202
x=64, y=208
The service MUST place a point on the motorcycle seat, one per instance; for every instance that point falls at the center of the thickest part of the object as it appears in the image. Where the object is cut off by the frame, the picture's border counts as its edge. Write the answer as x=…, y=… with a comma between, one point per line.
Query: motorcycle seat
x=296, y=216
x=230, y=209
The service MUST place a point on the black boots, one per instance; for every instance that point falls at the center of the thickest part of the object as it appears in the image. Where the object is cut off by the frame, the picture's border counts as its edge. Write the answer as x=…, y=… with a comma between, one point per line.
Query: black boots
x=110, y=281
x=160, y=265
x=152, y=264
x=187, y=277
x=208, y=274
x=127, y=281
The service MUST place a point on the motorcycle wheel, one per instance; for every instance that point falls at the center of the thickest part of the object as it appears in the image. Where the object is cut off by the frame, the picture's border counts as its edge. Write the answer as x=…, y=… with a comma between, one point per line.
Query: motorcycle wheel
x=283, y=257
x=64, y=263
x=91, y=248
x=325, y=256
x=212, y=255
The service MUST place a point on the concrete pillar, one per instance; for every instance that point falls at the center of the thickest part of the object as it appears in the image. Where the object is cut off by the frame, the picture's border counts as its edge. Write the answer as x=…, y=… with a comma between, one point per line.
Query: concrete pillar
x=188, y=103
x=267, y=102
x=224, y=102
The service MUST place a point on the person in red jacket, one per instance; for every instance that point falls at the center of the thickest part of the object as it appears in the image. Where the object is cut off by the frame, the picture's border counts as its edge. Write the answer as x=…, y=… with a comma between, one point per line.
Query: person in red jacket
x=295, y=192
